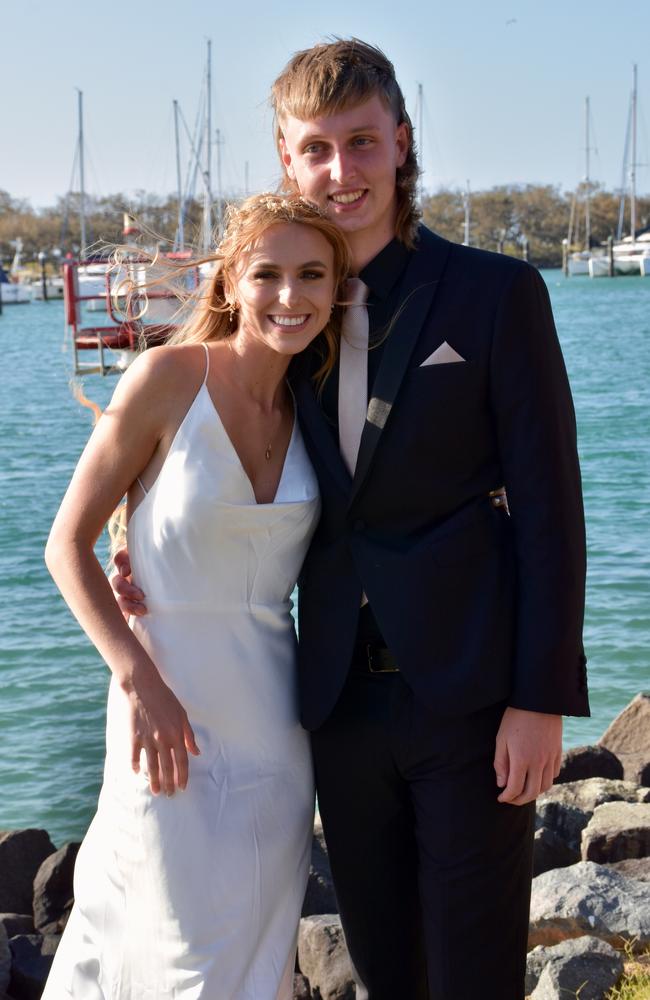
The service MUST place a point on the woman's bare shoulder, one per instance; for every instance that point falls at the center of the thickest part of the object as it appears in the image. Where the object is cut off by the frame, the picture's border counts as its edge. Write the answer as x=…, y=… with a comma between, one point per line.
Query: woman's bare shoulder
x=163, y=372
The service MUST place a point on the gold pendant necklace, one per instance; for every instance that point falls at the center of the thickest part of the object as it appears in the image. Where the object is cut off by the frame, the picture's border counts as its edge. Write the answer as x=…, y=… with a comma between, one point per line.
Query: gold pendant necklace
x=268, y=454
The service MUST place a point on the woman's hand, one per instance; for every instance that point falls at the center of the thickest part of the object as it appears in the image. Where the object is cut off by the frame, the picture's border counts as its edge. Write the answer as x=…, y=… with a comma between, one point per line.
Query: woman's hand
x=129, y=597
x=160, y=727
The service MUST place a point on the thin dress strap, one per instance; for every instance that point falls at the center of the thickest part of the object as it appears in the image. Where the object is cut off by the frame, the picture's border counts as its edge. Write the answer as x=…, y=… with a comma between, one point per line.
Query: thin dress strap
x=205, y=379
x=207, y=363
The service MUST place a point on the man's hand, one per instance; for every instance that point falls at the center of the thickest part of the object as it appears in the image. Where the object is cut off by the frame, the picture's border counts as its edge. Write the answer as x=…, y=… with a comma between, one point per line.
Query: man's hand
x=528, y=754
x=130, y=598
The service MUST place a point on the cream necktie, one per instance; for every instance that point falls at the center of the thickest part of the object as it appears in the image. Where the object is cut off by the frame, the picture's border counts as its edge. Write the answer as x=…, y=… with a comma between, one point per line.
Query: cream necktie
x=353, y=371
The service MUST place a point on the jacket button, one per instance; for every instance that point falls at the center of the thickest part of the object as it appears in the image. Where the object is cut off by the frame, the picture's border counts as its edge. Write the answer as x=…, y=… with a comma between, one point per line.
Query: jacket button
x=359, y=525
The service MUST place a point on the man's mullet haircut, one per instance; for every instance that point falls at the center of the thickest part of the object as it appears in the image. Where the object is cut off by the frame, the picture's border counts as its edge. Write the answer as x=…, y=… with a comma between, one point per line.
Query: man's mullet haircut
x=333, y=76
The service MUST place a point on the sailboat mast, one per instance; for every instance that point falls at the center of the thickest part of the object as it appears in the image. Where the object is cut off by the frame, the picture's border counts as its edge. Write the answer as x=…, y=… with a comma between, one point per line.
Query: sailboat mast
x=82, y=190
x=180, y=235
x=633, y=163
x=420, y=119
x=207, y=197
x=219, y=140
x=587, y=180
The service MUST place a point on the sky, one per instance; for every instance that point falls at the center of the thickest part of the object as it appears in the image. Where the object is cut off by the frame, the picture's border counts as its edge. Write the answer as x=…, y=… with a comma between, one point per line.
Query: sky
x=504, y=85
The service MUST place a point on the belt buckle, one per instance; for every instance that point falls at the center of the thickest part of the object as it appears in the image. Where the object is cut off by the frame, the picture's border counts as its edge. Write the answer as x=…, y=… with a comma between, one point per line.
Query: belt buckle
x=379, y=669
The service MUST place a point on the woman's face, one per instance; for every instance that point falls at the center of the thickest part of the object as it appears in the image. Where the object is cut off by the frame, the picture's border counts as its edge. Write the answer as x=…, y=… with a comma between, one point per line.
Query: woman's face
x=284, y=287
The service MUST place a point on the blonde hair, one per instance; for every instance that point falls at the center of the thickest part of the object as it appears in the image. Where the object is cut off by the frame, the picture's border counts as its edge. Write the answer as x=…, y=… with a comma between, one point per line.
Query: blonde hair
x=210, y=312
x=334, y=76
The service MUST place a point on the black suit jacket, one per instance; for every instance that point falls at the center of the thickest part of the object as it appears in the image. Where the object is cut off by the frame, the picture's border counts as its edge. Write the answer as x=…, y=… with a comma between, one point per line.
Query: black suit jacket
x=476, y=606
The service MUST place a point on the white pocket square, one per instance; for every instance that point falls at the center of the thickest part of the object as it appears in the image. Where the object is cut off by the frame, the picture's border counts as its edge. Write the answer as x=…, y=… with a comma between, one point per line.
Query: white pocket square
x=442, y=355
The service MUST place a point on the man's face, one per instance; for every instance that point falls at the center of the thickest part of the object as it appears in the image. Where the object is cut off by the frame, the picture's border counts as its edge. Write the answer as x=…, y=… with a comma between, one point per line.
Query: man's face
x=347, y=164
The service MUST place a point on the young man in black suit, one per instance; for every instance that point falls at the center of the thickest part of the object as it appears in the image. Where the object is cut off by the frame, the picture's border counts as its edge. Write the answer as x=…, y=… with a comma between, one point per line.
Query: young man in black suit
x=440, y=635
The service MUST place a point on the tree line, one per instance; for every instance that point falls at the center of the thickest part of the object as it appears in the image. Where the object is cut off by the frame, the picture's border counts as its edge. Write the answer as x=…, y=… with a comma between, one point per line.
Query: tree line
x=502, y=218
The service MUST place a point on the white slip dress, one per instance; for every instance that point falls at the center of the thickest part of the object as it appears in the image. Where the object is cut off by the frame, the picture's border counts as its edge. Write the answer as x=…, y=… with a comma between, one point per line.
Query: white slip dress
x=198, y=896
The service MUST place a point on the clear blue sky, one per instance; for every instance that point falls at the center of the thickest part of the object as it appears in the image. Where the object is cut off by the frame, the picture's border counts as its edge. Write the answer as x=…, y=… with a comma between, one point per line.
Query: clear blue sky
x=504, y=84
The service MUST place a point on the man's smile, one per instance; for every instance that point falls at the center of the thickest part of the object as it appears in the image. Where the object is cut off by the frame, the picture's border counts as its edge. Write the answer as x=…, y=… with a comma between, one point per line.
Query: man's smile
x=348, y=197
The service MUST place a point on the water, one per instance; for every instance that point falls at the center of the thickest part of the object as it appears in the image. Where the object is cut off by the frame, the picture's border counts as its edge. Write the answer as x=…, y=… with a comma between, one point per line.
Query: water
x=53, y=684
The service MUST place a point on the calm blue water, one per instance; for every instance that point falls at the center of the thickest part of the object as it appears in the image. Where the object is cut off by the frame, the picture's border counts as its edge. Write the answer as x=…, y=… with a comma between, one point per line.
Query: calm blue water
x=53, y=684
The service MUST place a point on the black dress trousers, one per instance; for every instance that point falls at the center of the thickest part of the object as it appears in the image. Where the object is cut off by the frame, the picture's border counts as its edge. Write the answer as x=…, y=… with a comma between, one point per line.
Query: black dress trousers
x=432, y=873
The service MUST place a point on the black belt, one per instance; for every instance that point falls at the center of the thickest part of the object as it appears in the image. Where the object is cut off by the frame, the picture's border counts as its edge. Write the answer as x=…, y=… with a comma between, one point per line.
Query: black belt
x=369, y=658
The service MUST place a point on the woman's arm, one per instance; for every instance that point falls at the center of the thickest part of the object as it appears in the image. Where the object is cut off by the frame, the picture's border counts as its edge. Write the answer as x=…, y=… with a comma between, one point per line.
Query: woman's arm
x=133, y=426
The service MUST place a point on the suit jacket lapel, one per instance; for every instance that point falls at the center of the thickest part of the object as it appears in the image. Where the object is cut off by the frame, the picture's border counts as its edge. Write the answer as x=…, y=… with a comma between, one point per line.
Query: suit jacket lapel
x=419, y=285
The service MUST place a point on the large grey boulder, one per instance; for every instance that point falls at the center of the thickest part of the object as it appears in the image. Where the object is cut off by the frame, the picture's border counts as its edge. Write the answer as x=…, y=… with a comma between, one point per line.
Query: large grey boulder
x=32, y=959
x=323, y=958
x=566, y=809
x=579, y=763
x=320, y=896
x=617, y=831
x=585, y=967
x=550, y=851
x=589, y=962
x=629, y=737
x=53, y=896
x=21, y=854
x=5, y=960
x=589, y=899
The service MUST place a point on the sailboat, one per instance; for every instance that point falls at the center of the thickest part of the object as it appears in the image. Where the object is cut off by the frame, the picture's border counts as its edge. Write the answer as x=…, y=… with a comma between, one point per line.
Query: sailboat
x=96, y=286
x=577, y=261
x=14, y=292
x=630, y=254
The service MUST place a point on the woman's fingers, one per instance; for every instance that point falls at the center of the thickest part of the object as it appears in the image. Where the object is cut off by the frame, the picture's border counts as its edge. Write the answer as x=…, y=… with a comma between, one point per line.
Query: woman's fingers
x=167, y=773
x=160, y=726
x=136, y=750
x=189, y=740
x=152, y=766
x=182, y=765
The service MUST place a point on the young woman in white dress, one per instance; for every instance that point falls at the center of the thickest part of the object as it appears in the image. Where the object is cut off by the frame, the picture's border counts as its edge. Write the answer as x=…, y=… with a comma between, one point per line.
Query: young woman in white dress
x=190, y=880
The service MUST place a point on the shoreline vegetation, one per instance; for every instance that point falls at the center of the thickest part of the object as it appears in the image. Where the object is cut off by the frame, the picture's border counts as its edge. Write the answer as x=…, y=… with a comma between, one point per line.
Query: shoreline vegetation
x=502, y=218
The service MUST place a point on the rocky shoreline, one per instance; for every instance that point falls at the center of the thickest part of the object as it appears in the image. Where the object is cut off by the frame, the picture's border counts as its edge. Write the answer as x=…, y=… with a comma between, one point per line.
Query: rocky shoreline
x=590, y=908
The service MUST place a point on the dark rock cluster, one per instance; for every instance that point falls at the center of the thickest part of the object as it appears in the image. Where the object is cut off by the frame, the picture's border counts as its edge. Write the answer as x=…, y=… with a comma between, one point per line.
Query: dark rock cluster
x=590, y=899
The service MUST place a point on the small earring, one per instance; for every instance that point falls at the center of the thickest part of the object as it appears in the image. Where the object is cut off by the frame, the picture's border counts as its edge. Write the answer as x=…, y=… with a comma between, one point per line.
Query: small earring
x=231, y=313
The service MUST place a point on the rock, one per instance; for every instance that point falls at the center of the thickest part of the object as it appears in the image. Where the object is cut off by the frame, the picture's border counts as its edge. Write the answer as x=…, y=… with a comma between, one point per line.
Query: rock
x=301, y=989
x=17, y=923
x=21, y=854
x=579, y=763
x=32, y=958
x=643, y=775
x=617, y=831
x=589, y=962
x=589, y=899
x=550, y=851
x=638, y=868
x=53, y=896
x=5, y=959
x=320, y=896
x=585, y=967
x=566, y=809
x=629, y=736
x=323, y=958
